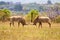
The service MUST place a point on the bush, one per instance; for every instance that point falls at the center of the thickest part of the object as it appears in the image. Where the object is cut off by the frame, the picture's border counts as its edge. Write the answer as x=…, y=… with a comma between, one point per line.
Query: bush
x=57, y=20
x=4, y=14
x=32, y=15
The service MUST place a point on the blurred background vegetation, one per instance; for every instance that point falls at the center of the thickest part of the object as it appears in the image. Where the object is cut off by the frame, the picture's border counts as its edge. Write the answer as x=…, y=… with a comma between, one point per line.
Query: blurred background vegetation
x=30, y=10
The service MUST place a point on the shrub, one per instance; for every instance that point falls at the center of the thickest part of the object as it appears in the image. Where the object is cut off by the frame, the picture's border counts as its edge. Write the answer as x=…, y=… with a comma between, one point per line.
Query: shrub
x=57, y=20
x=32, y=14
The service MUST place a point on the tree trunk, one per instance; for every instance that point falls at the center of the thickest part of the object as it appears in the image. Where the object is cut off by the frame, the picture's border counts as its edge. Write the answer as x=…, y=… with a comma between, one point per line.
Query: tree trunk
x=31, y=17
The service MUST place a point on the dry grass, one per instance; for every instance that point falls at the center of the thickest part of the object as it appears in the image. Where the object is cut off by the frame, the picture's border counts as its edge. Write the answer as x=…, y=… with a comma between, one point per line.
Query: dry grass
x=29, y=32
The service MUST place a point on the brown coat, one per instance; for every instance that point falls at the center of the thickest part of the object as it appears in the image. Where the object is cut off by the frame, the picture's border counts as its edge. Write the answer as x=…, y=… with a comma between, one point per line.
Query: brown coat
x=19, y=19
x=41, y=20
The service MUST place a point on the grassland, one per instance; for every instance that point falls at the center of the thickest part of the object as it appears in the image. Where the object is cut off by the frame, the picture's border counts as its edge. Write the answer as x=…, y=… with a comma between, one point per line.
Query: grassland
x=29, y=32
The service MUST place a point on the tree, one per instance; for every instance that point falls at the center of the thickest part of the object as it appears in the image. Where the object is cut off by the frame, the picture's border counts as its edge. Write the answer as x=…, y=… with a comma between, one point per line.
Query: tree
x=57, y=20
x=1, y=14
x=5, y=13
x=32, y=15
x=2, y=3
x=18, y=7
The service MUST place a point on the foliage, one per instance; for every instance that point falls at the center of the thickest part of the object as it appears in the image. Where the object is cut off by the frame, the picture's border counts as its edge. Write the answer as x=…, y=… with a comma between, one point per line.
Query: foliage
x=2, y=3
x=32, y=15
x=57, y=19
x=7, y=12
x=18, y=7
x=4, y=13
x=44, y=14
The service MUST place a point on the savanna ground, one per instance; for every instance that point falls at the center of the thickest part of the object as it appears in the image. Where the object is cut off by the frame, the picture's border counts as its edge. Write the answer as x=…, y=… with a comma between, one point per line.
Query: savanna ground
x=29, y=32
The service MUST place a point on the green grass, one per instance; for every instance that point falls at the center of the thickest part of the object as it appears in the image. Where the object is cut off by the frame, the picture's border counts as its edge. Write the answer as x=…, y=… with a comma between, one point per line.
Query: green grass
x=29, y=32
